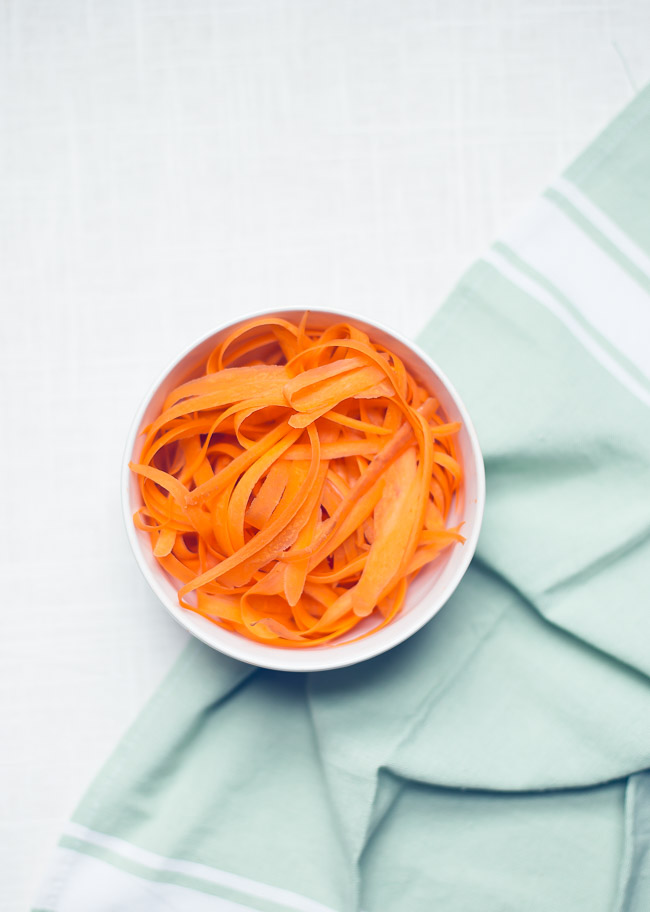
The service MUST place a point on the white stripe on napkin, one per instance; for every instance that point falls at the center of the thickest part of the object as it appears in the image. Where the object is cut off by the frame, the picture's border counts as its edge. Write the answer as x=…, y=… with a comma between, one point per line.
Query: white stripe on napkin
x=89, y=884
x=286, y=899
x=537, y=291
x=603, y=223
x=548, y=241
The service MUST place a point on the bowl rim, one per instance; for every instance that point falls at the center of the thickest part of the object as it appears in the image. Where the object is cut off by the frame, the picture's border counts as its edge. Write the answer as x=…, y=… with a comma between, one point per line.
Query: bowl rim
x=325, y=658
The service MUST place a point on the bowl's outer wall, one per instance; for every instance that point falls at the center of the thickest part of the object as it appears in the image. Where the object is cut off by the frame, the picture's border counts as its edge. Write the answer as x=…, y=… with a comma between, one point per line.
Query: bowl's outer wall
x=426, y=594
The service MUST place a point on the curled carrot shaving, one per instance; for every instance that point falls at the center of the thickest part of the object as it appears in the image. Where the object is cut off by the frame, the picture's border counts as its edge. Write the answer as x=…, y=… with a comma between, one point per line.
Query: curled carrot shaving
x=297, y=481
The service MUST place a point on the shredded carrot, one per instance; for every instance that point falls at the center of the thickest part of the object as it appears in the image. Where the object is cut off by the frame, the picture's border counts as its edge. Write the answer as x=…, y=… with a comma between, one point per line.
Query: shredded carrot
x=297, y=481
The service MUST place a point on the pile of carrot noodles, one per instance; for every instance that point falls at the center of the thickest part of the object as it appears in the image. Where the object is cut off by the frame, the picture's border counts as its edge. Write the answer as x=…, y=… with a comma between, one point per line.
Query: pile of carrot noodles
x=297, y=481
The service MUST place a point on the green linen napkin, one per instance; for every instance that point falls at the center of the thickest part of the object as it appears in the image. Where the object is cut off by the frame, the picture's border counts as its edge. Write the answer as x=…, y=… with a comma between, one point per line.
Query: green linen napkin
x=495, y=761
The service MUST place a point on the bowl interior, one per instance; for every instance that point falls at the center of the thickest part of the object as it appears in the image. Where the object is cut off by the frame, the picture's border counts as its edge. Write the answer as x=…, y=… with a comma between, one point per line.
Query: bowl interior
x=428, y=591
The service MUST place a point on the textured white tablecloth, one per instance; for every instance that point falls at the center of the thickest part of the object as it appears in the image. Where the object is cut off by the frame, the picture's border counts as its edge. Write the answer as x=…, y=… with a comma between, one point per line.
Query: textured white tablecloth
x=164, y=164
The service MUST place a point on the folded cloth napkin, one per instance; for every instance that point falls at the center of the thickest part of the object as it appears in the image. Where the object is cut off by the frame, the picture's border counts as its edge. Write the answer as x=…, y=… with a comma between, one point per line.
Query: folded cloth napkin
x=496, y=760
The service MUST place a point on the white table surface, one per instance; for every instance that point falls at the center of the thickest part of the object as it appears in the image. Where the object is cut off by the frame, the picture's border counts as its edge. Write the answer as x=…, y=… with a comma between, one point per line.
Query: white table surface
x=163, y=164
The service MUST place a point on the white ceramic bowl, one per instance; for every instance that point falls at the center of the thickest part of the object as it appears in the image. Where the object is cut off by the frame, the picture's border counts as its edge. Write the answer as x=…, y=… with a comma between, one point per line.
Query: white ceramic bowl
x=428, y=592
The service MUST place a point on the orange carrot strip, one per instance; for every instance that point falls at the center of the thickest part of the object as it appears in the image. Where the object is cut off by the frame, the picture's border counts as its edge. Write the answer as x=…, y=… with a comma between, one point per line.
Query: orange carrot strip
x=269, y=495
x=394, y=518
x=280, y=329
x=165, y=542
x=330, y=392
x=356, y=424
x=234, y=383
x=318, y=375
